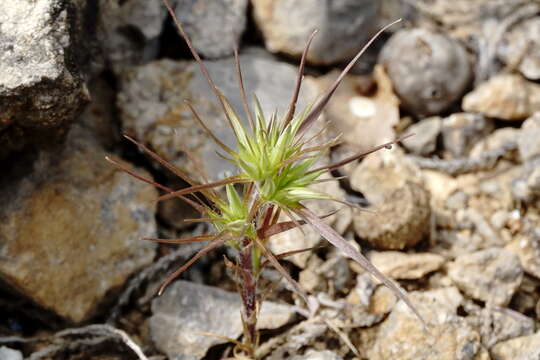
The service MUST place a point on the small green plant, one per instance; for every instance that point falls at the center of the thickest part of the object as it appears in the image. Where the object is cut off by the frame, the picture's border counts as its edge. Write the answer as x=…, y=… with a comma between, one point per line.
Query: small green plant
x=275, y=170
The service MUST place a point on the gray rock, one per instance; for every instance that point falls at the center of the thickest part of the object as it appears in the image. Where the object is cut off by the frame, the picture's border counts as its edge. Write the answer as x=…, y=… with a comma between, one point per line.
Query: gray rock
x=41, y=88
x=461, y=131
x=425, y=136
x=128, y=31
x=520, y=48
x=500, y=324
x=214, y=27
x=526, y=186
x=152, y=106
x=187, y=308
x=345, y=26
x=429, y=70
x=496, y=140
x=318, y=355
x=504, y=96
x=10, y=354
x=72, y=224
x=399, y=265
x=491, y=275
x=520, y=348
x=529, y=138
x=401, y=335
x=527, y=247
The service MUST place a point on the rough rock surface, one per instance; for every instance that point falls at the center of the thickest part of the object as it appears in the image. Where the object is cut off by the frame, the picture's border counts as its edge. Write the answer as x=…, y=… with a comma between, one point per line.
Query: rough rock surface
x=520, y=48
x=429, y=70
x=527, y=247
x=72, y=226
x=187, y=308
x=529, y=138
x=128, y=31
x=520, y=348
x=214, y=27
x=401, y=335
x=318, y=355
x=350, y=21
x=399, y=265
x=425, y=136
x=460, y=131
x=504, y=96
x=491, y=275
x=41, y=88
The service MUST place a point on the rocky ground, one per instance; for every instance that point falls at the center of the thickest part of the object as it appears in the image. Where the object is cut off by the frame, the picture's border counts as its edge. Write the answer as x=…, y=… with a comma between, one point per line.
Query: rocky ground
x=453, y=212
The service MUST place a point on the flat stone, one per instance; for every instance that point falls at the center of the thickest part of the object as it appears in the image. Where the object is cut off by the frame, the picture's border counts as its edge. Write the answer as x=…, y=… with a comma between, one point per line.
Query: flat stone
x=520, y=348
x=72, y=224
x=214, y=27
x=504, y=96
x=402, y=336
x=430, y=71
x=186, y=309
x=41, y=90
x=399, y=265
x=344, y=27
x=491, y=275
x=424, y=140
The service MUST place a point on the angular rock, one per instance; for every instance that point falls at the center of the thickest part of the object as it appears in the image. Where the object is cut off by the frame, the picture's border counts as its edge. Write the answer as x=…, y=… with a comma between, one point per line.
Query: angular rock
x=504, y=96
x=527, y=247
x=500, y=324
x=460, y=131
x=520, y=48
x=187, y=308
x=496, y=140
x=41, y=88
x=214, y=27
x=364, y=109
x=526, y=186
x=429, y=70
x=153, y=110
x=425, y=136
x=128, y=31
x=72, y=224
x=399, y=265
x=318, y=355
x=401, y=335
x=344, y=26
x=529, y=138
x=491, y=275
x=520, y=348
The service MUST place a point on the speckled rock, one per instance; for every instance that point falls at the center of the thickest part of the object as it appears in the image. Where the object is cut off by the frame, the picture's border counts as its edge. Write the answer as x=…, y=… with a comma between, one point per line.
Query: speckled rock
x=529, y=138
x=364, y=109
x=526, y=186
x=344, y=27
x=128, y=31
x=393, y=186
x=527, y=247
x=504, y=96
x=41, y=88
x=214, y=27
x=520, y=48
x=460, y=131
x=399, y=265
x=72, y=224
x=187, y=308
x=491, y=275
x=401, y=335
x=425, y=136
x=520, y=348
x=429, y=70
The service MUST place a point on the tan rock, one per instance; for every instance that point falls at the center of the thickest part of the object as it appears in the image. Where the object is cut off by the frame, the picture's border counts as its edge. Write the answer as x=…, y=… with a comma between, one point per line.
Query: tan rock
x=400, y=265
x=520, y=348
x=71, y=227
x=504, y=96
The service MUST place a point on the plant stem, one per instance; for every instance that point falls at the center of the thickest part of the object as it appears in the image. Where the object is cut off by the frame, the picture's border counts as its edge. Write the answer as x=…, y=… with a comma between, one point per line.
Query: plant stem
x=248, y=293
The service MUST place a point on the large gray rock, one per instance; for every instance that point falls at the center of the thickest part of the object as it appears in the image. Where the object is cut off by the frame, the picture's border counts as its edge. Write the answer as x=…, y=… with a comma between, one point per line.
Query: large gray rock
x=71, y=228
x=187, y=308
x=344, y=27
x=429, y=70
x=214, y=27
x=41, y=87
x=491, y=275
